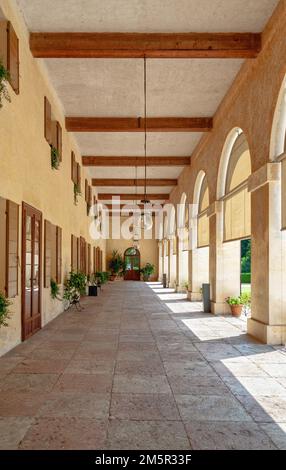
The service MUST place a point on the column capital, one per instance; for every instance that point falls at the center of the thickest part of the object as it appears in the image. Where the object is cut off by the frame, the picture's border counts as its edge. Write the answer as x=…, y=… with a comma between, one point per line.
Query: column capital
x=267, y=173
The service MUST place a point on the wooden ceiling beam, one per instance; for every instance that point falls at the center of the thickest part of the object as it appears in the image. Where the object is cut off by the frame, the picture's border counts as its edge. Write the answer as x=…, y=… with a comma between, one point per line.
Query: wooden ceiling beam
x=134, y=161
x=135, y=124
x=133, y=182
x=151, y=45
x=132, y=197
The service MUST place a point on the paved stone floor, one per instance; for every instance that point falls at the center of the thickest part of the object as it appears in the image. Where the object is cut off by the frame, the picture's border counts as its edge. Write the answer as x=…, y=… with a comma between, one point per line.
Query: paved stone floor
x=142, y=368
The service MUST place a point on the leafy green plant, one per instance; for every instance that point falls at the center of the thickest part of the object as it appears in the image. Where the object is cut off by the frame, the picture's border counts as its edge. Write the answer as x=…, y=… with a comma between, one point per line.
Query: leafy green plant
x=75, y=286
x=233, y=300
x=102, y=277
x=4, y=78
x=76, y=192
x=147, y=271
x=55, y=158
x=4, y=310
x=245, y=299
x=116, y=263
x=55, y=290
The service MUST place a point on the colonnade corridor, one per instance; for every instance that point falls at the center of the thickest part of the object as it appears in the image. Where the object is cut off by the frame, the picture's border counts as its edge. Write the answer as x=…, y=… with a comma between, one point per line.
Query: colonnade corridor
x=142, y=368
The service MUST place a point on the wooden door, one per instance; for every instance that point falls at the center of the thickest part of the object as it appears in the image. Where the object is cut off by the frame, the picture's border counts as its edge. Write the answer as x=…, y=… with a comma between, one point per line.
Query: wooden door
x=132, y=264
x=31, y=270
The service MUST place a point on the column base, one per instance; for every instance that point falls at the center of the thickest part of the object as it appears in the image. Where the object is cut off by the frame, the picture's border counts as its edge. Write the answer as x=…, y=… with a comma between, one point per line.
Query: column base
x=268, y=334
x=194, y=296
x=219, y=308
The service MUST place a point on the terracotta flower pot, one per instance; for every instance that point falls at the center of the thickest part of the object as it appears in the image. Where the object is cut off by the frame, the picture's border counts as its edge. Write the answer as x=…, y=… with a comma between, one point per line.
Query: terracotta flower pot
x=236, y=310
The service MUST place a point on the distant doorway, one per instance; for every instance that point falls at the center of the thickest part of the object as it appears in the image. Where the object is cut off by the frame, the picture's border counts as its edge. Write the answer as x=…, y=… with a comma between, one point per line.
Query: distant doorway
x=132, y=264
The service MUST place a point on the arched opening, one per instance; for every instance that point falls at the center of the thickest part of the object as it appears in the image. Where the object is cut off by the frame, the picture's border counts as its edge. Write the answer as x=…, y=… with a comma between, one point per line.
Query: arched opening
x=199, y=262
x=235, y=229
x=132, y=264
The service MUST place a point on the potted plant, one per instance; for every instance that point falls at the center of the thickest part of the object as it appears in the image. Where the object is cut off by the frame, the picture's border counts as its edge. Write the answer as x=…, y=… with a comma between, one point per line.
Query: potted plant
x=4, y=78
x=147, y=271
x=75, y=287
x=92, y=286
x=116, y=265
x=4, y=310
x=236, y=305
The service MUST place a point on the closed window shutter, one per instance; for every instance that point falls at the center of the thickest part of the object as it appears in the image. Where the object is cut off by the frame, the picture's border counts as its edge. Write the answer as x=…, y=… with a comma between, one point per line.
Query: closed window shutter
x=86, y=191
x=47, y=254
x=73, y=253
x=100, y=260
x=59, y=255
x=237, y=215
x=89, y=259
x=12, y=236
x=48, y=121
x=2, y=244
x=73, y=168
x=203, y=230
x=94, y=259
x=78, y=175
x=13, y=57
x=53, y=252
x=59, y=141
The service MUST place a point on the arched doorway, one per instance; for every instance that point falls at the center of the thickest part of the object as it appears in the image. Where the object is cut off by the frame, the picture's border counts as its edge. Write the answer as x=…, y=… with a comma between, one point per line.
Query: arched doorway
x=132, y=264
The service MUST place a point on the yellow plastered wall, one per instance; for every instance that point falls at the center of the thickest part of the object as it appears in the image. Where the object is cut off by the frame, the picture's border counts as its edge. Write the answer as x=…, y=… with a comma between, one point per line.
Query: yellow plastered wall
x=25, y=169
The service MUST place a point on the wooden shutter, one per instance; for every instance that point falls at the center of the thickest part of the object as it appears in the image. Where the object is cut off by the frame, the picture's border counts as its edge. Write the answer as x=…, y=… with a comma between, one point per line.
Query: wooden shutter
x=48, y=121
x=86, y=191
x=47, y=253
x=89, y=259
x=59, y=254
x=94, y=259
x=78, y=175
x=90, y=195
x=12, y=236
x=73, y=168
x=74, y=253
x=2, y=244
x=59, y=140
x=100, y=265
x=13, y=57
x=53, y=252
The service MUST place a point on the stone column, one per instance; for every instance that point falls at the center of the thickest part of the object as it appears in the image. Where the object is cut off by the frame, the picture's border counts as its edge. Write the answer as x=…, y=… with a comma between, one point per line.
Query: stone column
x=179, y=274
x=224, y=262
x=160, y=261
x=268, y=261
x=194, y=285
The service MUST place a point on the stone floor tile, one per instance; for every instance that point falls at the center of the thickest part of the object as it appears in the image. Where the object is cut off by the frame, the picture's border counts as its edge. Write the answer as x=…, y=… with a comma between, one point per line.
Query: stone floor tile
x=40, y=366
x=264, y=409
x=211, y=408
x=140, y=384
x=71, y=404
x=12, y=431
x=255, y=386
x=189, y=368
x=29, y=382
x=238, y=369
x=99, y=383
x=17, y=404
x=144, y=407
x=89, y=366
x=153, y=367
x=198, y=385
x=225, y=435
x=151, y=435
x=277, y=433
x=65, y=434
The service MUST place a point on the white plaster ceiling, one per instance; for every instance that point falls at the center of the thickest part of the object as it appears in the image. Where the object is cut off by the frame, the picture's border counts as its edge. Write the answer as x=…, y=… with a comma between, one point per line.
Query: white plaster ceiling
x=147, y=15
x=115, y=88
x=132, y=143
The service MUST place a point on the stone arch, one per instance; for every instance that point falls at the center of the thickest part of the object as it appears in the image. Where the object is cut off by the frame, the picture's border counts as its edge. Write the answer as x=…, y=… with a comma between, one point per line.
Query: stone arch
x=278, y=133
